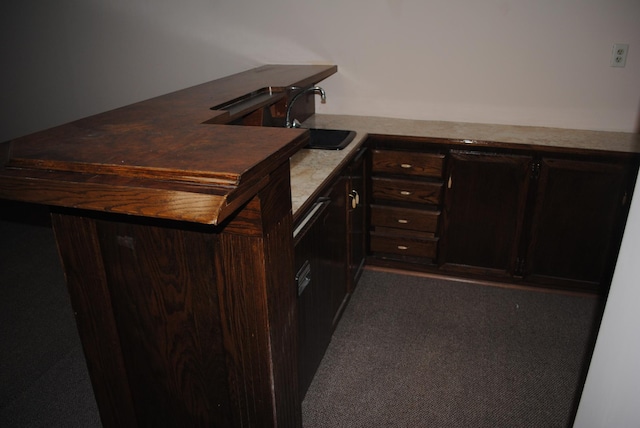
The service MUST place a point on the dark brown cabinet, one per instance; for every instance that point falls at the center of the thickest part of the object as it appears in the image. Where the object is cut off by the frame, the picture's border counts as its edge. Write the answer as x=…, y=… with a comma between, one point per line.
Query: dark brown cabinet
x=406, y=193
x=321, y=258
x=329, y=256
x=553, y=221
x=485, y=203
x=533, y=215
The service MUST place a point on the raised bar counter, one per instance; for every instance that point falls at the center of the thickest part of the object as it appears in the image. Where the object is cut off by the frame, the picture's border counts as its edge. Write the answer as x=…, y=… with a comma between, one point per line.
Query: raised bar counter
x=161, y=158
x=175, y=235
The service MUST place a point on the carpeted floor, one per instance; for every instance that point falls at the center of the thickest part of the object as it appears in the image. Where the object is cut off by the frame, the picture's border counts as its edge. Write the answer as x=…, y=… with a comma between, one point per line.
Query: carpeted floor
x=43, y=376
x=418, y=352
x=409, y=351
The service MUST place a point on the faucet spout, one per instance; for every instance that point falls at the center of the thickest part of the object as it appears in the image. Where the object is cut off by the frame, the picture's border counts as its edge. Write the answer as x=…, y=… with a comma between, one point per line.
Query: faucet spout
x=316, y=89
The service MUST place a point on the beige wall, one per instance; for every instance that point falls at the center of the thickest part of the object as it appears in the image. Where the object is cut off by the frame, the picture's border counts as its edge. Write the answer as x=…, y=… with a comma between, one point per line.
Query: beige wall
x=502, y=61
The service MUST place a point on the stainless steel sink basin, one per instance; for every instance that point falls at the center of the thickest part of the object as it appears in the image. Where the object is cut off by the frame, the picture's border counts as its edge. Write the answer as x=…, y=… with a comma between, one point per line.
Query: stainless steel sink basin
x=329, y=139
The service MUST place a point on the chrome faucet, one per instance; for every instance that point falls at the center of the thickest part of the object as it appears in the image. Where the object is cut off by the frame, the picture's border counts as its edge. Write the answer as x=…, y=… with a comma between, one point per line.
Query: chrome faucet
x=295, y=123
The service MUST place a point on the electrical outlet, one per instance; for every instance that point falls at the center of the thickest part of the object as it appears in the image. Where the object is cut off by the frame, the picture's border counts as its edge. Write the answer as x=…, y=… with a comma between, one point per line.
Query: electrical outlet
x=619, y=54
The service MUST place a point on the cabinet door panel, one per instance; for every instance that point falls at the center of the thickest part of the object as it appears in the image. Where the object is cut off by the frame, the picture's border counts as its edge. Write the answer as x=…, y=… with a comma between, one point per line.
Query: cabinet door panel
x=578, y=207
x=484, y=210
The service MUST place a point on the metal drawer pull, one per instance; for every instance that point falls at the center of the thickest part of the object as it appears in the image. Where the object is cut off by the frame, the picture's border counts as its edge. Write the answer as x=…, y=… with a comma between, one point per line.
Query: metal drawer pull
x=402, y=247
x=405, y=193
x=406, y=165
x=403, y=221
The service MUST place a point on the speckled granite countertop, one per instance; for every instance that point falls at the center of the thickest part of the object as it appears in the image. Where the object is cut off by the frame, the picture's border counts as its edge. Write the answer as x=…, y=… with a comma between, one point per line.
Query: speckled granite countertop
x=311, y=168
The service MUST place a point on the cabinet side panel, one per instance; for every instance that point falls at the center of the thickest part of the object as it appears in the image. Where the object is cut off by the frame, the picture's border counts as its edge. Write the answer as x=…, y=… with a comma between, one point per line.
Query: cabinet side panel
x=277, y=223
x=258, y=308
x=164, y=298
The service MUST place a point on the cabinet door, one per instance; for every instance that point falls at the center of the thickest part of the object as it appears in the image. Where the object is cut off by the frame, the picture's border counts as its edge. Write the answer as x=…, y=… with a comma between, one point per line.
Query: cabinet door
x=333, y=254
x=577, y=222
x=485, y=202
x=356, y=225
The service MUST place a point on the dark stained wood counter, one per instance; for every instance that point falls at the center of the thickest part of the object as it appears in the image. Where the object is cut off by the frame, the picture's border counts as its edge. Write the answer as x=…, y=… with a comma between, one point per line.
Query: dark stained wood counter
x=175, y=233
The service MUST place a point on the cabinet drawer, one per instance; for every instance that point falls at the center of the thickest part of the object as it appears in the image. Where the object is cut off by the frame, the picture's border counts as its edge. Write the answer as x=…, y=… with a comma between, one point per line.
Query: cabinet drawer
x=406, y=190
x=408, y=163
x=405, y=218
x=404, y=245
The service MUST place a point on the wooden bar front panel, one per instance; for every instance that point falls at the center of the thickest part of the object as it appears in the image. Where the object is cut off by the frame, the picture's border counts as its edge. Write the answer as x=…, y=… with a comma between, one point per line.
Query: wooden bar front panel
x=188, y=325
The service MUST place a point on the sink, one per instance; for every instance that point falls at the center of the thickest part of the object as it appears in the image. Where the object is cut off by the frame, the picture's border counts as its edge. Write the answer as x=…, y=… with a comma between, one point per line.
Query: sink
x=329, y=139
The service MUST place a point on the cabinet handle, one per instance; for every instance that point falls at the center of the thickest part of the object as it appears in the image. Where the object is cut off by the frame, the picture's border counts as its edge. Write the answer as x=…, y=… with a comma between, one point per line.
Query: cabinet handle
x=303, y=277
x=355, y=199
x=320, y=203
x=406, y=165
x=449, y=183
x=403, y=221
x=405, y=193
x=402, y=247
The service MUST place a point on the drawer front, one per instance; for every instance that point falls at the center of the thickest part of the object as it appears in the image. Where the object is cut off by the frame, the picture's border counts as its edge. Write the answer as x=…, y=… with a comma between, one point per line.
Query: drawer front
x=408, y=163
x=404, y=245
x=406, y=190
x=404, y=218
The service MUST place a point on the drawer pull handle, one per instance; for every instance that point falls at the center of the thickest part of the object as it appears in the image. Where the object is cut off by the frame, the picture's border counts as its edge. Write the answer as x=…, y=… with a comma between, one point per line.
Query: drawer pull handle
x=403, y=221
x=405, y=193
x=406, y=165
x=402, y=247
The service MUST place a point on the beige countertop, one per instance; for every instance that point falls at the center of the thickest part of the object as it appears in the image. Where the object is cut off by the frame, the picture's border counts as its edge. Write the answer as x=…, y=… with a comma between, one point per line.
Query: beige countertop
x=311, y=168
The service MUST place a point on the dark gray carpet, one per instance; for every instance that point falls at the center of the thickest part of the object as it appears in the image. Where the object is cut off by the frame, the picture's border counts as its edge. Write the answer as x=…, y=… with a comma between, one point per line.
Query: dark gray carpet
x=418, y=352
x=43, y=375
x=409, y=351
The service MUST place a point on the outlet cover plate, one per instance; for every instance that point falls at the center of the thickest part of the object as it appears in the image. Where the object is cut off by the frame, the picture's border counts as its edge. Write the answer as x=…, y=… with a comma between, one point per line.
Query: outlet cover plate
x=619, y=55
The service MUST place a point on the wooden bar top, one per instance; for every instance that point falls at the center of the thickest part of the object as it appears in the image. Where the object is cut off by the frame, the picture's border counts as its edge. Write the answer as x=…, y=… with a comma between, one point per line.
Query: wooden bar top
x=169, y=157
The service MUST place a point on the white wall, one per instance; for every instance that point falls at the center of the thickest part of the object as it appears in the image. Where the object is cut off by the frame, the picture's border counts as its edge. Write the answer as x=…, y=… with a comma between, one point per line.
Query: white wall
x=542, y=62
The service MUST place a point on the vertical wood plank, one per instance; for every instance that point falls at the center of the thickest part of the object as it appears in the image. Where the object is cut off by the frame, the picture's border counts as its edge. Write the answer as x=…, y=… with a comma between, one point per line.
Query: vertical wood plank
x=91, y=300
x=259, y=308
x=282, y=297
